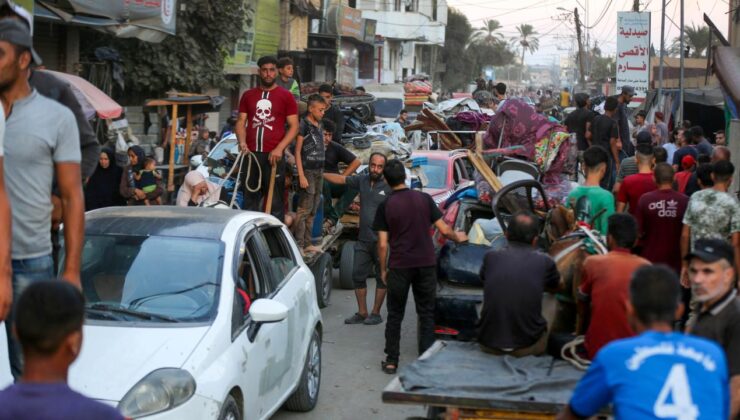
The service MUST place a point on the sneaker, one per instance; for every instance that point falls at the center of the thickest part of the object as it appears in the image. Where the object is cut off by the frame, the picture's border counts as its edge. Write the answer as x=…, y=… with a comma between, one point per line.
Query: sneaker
x=373, y=319
x=355, y=319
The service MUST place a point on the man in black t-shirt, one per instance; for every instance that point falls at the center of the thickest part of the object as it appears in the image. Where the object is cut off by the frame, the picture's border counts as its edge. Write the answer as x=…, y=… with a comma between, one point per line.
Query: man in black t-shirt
x=511, y=319
x=334, y=155
x=579, y=121
x=403, y=223
x=605, y=134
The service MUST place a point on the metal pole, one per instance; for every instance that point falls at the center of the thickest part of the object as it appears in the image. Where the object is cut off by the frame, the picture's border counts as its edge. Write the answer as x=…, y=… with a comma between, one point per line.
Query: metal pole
x=339, y=41
x=680, y=77
x=582, y=80
x=662, y=53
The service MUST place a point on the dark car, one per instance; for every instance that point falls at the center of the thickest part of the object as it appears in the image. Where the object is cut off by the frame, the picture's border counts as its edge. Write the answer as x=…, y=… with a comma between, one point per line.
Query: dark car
x=460, y=290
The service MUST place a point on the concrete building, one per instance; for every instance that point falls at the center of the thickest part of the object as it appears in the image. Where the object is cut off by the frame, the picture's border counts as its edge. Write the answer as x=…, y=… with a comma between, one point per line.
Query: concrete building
x=409, y=35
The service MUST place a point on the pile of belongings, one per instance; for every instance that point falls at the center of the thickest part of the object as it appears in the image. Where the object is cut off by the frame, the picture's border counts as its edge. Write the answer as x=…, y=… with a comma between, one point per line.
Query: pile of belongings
x=339, y=88
x=430, y=121
x=543, y=142
x=389, y=139
x=417, y=90
x=453, y=106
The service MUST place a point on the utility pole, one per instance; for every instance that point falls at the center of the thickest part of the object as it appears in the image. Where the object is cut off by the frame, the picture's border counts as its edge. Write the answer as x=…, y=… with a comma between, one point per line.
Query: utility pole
x=636, y=6
x=582, y=79
x=680, y=77
x=662, y=54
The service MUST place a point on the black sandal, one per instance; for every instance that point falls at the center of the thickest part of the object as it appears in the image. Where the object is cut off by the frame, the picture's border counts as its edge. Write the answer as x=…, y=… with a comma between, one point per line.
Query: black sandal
x=389, y=367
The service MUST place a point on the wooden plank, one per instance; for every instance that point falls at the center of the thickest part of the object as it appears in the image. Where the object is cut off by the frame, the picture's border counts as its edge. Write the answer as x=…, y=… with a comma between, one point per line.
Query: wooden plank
x=165, y=102
x=188, y=135
x=173, y=144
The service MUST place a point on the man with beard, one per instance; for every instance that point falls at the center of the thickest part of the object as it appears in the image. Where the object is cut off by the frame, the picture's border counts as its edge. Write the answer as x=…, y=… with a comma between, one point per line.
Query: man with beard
x=624, y=99
x=373, y=191
x=41, y=142
x=712, y=278
x=261, y=130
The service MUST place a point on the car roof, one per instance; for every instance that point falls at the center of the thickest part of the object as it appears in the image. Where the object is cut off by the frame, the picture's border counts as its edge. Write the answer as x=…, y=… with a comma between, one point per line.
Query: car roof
x=170, y=221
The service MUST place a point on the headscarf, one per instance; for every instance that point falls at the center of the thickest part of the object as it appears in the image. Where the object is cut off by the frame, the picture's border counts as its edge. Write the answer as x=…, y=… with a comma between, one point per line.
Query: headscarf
x=140, y=156
x=102, y=187
x=192, y=179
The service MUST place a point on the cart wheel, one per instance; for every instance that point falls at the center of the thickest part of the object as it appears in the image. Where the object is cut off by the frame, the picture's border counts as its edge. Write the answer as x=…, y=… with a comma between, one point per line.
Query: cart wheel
x=346, y=266
x=321, y=270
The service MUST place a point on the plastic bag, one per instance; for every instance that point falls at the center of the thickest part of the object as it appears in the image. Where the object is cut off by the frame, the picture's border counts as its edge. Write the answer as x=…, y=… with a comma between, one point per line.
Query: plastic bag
x=121, y=154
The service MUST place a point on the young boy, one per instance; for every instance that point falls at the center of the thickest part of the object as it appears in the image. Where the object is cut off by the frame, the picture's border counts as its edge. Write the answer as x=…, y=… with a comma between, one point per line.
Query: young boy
x=146, y=179
x=285, y=79
x=309, y=157
x=601, y=201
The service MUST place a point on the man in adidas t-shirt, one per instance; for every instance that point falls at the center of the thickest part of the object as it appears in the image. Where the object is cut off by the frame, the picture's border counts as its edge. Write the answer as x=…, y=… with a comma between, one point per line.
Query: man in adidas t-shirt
x=658, y=374
x=261, y=129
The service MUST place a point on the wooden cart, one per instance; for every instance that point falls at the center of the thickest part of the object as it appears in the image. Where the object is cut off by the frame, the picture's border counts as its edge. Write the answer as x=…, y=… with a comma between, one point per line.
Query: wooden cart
x=454, y=407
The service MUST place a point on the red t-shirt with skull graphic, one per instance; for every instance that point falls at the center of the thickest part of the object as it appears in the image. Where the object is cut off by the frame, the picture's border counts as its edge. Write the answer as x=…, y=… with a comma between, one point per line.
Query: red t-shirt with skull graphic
x=266, y=112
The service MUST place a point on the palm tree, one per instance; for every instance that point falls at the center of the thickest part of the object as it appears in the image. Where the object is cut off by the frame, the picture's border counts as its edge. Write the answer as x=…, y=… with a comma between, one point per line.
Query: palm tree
x=697, y=38
x=489, y=32
x=527, y=40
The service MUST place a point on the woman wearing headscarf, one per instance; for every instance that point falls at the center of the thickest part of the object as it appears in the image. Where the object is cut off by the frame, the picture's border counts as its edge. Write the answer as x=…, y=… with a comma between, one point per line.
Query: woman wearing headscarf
x=101, y=189
x=127, y=187
x=196, y=190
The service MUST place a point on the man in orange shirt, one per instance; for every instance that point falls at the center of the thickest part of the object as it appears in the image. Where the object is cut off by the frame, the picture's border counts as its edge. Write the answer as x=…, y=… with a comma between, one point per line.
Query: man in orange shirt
x=605, y=286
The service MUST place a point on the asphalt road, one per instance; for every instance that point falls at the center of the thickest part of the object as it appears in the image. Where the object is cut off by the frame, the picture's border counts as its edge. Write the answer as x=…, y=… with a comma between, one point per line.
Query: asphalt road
x=351, y=379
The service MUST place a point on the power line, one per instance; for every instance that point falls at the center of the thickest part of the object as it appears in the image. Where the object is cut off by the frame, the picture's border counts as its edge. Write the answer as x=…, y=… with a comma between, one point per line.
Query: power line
x=602, y=15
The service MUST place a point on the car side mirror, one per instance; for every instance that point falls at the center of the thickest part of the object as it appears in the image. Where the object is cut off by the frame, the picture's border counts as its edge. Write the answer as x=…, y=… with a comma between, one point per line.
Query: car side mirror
x=265, y=311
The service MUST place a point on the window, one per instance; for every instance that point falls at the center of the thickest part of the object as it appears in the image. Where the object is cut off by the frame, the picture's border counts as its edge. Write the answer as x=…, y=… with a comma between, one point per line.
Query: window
x=279, y=256
x=469, y=168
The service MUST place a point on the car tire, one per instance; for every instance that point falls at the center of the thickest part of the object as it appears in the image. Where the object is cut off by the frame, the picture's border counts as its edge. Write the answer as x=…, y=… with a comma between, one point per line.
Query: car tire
x=230, y=410
x=347, y=265
x=307, y=394
x=321, y=270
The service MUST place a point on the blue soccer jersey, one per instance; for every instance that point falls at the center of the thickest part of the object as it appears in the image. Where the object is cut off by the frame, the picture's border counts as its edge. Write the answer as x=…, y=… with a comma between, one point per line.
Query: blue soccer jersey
x=656, y=376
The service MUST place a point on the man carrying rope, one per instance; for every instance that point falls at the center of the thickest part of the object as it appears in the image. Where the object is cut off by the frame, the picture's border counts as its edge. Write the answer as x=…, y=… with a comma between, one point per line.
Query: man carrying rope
x=264, y=112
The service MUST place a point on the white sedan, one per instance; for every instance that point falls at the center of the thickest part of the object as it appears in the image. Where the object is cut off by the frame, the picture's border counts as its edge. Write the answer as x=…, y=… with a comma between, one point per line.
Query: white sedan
x=196, y=314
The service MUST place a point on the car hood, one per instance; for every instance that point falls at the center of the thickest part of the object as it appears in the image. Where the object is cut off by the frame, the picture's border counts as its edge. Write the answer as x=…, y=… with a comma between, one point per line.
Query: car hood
x=114, y=359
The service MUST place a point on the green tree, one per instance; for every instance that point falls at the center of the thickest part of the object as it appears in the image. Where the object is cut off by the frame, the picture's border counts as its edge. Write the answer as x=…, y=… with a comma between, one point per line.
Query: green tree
x=696, y=38
x=460, y=39
x=527, y=40
x=490, y=33
x=189, y=61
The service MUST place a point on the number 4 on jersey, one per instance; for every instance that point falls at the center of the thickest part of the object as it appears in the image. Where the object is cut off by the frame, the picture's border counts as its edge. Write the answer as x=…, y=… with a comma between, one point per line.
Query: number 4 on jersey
x=674, y=400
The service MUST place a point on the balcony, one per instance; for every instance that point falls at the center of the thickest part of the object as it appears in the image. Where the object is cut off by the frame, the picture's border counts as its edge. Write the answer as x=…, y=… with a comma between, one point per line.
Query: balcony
x=407, y=26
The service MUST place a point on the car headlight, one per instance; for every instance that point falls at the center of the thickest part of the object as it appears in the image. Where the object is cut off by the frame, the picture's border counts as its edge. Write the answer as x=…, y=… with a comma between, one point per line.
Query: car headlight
x=161, y=390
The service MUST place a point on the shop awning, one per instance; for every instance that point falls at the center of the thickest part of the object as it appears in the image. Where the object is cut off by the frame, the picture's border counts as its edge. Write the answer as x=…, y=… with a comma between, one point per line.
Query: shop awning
x=726, y=62
x=150, y=21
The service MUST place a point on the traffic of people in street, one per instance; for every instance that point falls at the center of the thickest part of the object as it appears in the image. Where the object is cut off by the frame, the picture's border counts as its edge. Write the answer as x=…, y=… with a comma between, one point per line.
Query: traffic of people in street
x=441, y=210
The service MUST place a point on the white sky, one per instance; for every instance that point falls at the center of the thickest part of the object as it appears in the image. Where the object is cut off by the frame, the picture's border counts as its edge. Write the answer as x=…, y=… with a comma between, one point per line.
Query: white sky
x=557, y=37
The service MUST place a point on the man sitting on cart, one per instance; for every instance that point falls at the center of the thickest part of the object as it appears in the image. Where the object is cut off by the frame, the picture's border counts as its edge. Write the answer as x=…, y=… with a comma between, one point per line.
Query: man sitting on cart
x=659, y=373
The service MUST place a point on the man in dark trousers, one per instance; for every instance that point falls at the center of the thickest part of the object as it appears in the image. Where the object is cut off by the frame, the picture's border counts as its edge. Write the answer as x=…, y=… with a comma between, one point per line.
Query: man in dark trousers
x=511, y=319
x=264, y=113
x=403, y=222
x=624, y=98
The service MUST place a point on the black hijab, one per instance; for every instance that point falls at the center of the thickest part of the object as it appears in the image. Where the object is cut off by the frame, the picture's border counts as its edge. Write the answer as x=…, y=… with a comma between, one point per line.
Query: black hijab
x=102, y=188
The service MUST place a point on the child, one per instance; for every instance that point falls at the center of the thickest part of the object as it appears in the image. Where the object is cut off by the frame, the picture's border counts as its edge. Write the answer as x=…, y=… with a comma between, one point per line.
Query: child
x=601, y=201
x=146, y=179
x=309, y=156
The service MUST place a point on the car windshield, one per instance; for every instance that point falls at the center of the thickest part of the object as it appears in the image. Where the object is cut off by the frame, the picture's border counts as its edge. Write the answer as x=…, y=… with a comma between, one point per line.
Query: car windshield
x=387, y=107
x=436, y=173
x=222, y=157
x=151, y=279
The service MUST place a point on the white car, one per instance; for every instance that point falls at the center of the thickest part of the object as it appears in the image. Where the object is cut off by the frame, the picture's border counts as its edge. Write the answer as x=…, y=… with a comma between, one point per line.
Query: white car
x=196, y=314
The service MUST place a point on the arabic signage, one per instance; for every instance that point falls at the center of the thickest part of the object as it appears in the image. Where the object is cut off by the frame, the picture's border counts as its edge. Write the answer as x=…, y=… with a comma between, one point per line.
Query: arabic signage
x=261, y=35
x=633, y=52
x=346, y=21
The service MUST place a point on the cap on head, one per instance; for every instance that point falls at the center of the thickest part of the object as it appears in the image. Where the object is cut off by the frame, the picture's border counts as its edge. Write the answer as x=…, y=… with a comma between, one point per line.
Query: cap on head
x=628, y=90
x=659, y=115
x=643, y=137
x=17, y=33
x=712, y=250
x=687, y=162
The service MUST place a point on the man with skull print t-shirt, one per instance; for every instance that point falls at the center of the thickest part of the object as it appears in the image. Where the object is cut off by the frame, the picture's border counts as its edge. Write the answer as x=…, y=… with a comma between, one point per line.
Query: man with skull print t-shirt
x=264, y=112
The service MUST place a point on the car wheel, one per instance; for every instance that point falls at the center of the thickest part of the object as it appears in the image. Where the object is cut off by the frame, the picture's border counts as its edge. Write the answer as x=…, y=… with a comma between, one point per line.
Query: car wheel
x=321, y=270
x=230, y=410
x=307, y=394
x=347, y=265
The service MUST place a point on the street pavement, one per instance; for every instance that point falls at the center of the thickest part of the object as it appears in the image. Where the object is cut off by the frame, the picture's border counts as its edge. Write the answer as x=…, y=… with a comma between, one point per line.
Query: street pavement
x=351, y=379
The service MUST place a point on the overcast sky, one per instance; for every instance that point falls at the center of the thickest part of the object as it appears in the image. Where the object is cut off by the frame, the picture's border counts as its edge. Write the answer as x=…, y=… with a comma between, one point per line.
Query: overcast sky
x=558, y=37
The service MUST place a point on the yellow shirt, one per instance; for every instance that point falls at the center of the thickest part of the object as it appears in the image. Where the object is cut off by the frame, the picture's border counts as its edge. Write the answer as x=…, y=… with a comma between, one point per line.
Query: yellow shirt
x=564, y=99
